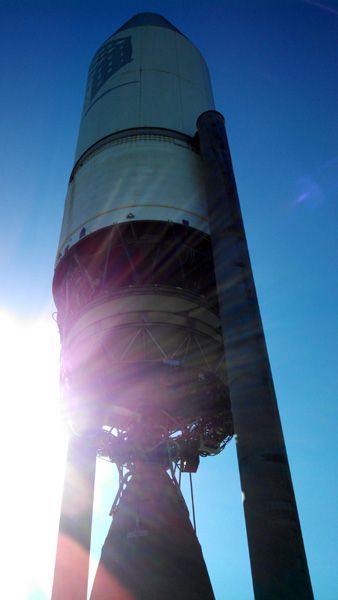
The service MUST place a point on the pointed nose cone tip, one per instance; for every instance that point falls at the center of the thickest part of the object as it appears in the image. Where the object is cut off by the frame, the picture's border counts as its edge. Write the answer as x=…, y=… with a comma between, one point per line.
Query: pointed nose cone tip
x=145, y=19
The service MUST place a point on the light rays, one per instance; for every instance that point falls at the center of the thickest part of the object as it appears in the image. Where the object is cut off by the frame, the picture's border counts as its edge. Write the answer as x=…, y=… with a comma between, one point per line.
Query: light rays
x=318, y=187
x=33, y=452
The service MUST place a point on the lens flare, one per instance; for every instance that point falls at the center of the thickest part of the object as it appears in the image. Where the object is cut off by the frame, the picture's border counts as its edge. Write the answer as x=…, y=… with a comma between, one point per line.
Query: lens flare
x=33, y=449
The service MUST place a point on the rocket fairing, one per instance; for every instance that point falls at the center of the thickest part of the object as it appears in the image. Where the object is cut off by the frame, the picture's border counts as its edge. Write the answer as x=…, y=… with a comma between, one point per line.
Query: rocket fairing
x=151, y=222
x=147, y=85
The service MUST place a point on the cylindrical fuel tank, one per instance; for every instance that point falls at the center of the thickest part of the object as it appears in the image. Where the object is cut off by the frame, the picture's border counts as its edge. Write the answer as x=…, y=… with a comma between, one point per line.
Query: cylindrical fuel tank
x=141, y=174
x=134, y=283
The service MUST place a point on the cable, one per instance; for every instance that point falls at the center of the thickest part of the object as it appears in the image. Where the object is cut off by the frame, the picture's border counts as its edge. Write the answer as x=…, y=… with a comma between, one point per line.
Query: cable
x=192, y=502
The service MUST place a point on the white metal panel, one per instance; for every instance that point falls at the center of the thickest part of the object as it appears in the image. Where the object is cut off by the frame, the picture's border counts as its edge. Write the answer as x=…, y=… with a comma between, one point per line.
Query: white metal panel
x=161, y=97
x=191, y=103
x=116, y=109
x=140, y=178
x=157, y=48
x=158, y=79
x=191, y=64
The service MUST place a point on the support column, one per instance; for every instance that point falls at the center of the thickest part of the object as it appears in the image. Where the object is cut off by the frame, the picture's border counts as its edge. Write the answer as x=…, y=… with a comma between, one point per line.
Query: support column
x=73, y=548
x=278, y=560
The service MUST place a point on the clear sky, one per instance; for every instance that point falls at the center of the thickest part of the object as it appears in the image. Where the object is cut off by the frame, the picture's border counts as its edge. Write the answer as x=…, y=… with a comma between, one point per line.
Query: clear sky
x=273, y=66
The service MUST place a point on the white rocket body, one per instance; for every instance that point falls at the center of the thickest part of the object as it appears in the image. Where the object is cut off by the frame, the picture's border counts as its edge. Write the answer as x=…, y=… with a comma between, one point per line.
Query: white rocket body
x=143, y=76
x=134, y=282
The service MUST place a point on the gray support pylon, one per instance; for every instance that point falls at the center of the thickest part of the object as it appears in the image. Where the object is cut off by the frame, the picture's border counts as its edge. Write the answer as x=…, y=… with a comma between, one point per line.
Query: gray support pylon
x=277, y=554
x=73, y=547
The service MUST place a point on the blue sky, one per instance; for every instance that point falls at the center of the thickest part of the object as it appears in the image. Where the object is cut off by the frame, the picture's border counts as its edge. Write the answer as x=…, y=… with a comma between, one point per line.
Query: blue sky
x=273, y=66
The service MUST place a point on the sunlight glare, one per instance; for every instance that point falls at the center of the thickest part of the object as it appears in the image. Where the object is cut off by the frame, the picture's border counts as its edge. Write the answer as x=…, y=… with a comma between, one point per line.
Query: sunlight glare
x=33, y=444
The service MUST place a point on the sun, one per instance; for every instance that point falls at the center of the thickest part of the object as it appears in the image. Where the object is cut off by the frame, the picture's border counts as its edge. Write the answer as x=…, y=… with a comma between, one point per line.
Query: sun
x=33, y=449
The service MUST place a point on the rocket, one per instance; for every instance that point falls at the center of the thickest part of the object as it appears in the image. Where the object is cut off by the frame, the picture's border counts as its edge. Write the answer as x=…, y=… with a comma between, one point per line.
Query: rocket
x=163, y=354
x=134, y=281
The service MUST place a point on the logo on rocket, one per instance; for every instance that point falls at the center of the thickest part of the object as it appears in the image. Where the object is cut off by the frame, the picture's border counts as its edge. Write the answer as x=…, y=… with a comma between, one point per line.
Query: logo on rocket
x=112, y=56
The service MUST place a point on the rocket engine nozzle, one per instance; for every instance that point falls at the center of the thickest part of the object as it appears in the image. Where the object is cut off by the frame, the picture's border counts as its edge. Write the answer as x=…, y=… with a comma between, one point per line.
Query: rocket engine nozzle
x=151, y=550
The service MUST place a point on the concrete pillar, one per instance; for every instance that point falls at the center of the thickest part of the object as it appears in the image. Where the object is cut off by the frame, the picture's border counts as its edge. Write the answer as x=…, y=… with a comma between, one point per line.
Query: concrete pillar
x=278, y=561
x=73, y=548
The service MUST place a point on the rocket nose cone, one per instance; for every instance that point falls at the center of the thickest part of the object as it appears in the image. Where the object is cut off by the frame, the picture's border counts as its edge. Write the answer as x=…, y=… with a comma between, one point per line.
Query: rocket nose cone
x=147, y=18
